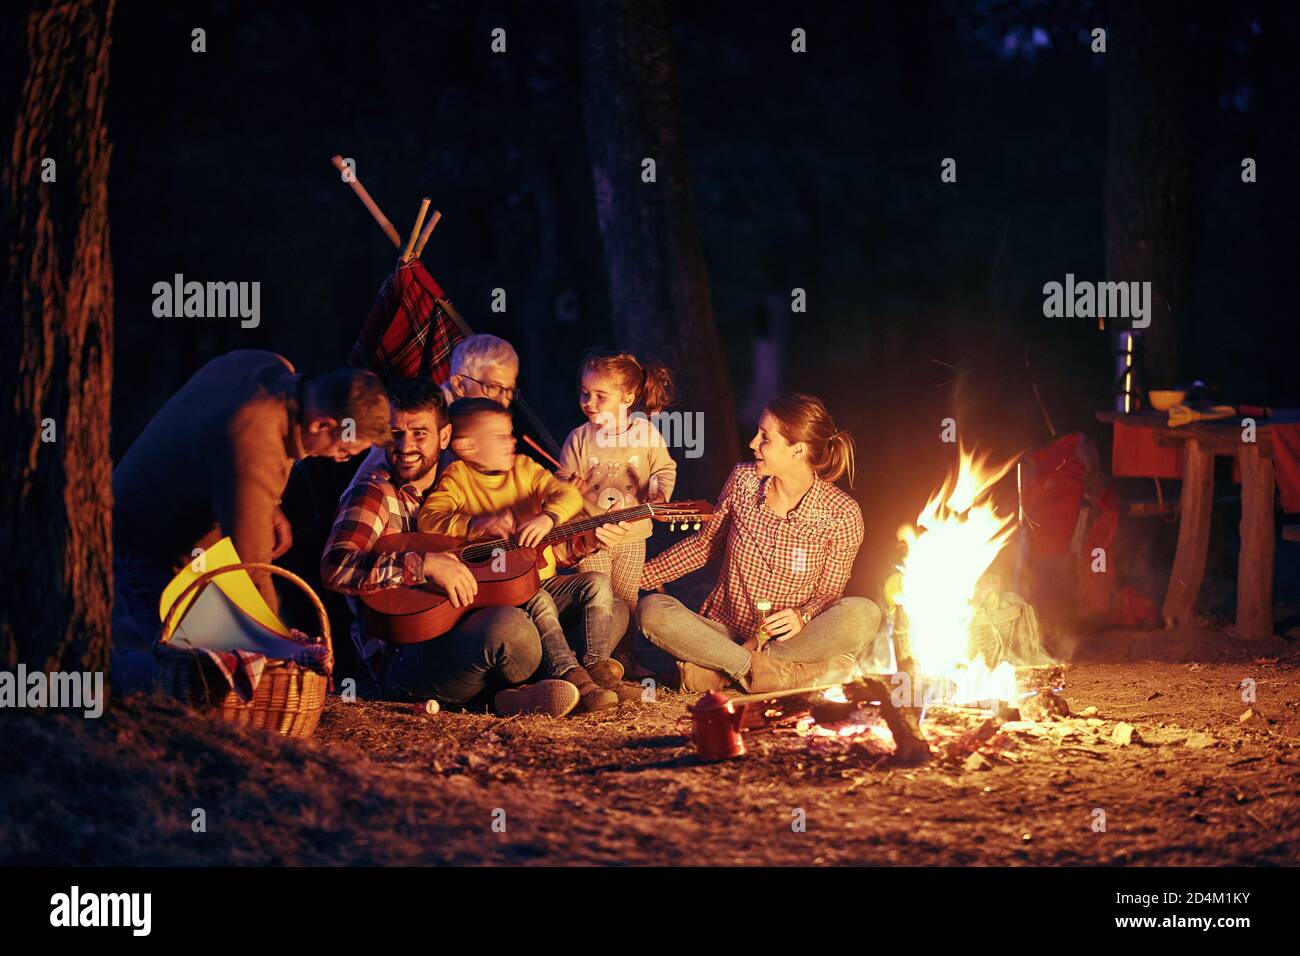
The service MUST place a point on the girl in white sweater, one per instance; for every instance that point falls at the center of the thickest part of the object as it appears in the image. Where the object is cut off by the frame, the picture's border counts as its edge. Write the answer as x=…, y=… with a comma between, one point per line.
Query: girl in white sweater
x=618, y=459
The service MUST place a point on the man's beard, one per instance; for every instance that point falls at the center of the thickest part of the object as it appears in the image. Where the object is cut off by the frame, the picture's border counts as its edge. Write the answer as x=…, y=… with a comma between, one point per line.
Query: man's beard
x=403, y=469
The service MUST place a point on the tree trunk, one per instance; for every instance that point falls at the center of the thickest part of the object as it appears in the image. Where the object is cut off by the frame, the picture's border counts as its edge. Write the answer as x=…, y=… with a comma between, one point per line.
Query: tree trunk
x=658, y=284
x=56, y=348
x=1148, y=180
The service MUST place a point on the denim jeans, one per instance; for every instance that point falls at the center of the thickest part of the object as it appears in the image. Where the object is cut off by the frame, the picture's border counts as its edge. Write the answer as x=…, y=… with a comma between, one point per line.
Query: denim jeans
x=497, y=644
x=590, y=592
x=846, y=627
x=492, y=647
x=138, y=585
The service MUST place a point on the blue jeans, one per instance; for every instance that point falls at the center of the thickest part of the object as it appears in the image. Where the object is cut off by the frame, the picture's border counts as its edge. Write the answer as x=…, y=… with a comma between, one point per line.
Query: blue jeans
x=138, y=585
x=589, y=591
x=846, y=627
x=493, y=646
x=492, y=643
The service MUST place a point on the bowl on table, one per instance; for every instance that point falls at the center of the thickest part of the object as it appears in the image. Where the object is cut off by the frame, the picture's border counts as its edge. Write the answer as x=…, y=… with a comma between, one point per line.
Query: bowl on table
x=1164, y=399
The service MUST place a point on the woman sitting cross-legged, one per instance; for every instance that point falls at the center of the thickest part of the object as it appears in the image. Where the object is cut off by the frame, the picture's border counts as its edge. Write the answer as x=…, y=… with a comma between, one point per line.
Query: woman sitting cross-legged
x=790, y=537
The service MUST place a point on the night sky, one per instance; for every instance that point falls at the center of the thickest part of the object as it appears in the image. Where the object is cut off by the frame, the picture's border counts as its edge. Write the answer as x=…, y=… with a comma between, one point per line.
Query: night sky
x=819, y=171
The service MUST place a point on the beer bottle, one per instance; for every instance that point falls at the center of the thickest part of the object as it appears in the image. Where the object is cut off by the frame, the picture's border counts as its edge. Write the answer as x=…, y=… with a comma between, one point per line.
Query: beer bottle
x=764, y=607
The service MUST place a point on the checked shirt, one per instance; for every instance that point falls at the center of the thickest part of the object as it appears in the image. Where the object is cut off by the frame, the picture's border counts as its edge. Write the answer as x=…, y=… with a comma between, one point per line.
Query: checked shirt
x=799, y=561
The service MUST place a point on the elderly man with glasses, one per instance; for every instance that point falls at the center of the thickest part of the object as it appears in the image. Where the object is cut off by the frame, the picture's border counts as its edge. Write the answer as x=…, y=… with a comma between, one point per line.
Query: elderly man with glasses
x=483, y=366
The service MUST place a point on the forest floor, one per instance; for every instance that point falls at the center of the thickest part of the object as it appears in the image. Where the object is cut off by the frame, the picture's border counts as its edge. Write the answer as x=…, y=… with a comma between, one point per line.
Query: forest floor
x=1209, y=779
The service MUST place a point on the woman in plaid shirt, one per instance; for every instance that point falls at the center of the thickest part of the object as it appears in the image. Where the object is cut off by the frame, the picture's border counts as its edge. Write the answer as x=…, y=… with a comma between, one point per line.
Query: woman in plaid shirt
x=788, y=535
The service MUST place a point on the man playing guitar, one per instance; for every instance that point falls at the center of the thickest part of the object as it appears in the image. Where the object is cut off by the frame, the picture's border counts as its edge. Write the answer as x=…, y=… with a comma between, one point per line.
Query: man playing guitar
x=490, y=645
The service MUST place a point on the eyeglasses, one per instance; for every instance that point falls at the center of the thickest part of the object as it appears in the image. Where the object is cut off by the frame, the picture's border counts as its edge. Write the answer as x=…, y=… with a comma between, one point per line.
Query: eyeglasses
x=492, y=391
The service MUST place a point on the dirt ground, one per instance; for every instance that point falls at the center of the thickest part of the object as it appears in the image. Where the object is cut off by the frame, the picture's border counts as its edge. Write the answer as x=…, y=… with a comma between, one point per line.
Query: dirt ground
x=381, y=784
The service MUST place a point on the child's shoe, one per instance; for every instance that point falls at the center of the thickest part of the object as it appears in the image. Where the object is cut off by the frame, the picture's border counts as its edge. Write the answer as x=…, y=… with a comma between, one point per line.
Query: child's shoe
x=609, y=675
x=591, y=694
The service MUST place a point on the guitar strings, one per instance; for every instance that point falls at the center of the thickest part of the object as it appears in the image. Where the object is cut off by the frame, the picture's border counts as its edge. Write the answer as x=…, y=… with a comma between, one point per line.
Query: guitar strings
x=479, y=550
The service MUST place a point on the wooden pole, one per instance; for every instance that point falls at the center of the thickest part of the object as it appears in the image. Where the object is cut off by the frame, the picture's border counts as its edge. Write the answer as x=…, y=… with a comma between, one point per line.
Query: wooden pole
x=409, y=252
x=540, y=450
x=389, y=230
x=778, y=694
x=446, y=305
x=428, y=230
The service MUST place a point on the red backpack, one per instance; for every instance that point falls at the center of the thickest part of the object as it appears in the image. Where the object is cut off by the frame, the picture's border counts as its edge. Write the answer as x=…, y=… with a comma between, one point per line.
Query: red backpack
x=1068, y=512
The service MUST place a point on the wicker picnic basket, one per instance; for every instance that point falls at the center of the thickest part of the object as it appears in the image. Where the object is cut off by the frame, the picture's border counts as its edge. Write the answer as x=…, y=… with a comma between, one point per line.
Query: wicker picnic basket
x=289, y=697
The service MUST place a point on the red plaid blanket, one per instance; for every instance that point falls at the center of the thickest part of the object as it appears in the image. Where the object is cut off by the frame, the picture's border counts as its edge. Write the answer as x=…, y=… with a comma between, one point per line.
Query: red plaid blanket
x=407, y=334
x=243, y=669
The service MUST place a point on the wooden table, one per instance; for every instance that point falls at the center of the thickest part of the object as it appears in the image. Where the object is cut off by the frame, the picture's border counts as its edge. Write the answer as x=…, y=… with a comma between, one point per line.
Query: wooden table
x=1201, y=441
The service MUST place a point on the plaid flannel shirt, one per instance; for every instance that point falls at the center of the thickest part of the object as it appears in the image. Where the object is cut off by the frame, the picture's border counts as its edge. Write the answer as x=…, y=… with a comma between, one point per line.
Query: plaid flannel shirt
x=373, y=505
x=800, y=561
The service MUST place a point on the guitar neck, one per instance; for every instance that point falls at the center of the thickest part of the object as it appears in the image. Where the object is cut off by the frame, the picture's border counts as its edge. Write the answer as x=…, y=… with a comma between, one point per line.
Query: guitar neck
x=570, y=529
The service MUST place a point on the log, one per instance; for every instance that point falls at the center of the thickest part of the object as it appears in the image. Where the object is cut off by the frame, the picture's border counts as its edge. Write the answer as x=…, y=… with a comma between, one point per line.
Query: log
x=910, y=746
x=905, y=722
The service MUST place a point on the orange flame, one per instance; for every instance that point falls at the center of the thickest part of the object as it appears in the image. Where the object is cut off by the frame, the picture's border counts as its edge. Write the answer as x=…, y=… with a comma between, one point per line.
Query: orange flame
x=958, y=535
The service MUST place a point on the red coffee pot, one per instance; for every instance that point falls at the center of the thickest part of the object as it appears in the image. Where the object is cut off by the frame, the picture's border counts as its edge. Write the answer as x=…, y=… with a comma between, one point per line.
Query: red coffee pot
x=715, y=727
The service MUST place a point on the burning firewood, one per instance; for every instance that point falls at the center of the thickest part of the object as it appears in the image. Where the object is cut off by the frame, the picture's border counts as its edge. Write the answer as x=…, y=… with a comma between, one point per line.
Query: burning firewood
x=904, y=723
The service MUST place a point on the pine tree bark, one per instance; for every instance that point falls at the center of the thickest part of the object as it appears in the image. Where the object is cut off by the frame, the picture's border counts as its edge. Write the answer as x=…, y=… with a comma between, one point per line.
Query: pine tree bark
x=56, y=344
x=1148, y=179
x=658, y=283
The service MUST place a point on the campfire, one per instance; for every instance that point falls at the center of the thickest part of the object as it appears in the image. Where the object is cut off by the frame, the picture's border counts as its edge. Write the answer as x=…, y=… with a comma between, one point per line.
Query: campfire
x=954, y=542
x=952, y=687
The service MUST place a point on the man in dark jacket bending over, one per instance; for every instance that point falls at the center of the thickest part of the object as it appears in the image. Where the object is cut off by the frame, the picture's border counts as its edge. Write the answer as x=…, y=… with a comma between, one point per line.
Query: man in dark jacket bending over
x=213, y=462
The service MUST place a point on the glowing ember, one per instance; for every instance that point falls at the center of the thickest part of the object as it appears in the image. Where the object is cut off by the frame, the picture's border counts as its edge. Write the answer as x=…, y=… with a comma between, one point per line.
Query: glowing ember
x=956, y=538
x=864, y=725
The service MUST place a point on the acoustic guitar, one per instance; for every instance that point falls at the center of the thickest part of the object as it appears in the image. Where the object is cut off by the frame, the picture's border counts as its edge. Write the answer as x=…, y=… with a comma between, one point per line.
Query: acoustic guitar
x=508, y=574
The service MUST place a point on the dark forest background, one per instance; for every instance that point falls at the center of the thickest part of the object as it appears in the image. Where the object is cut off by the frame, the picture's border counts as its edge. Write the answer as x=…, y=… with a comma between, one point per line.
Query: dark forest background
x=818, y=171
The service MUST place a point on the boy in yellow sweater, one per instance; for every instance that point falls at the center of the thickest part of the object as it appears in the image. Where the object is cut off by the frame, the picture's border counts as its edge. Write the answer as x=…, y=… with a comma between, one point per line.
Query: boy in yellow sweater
x=491, y=492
